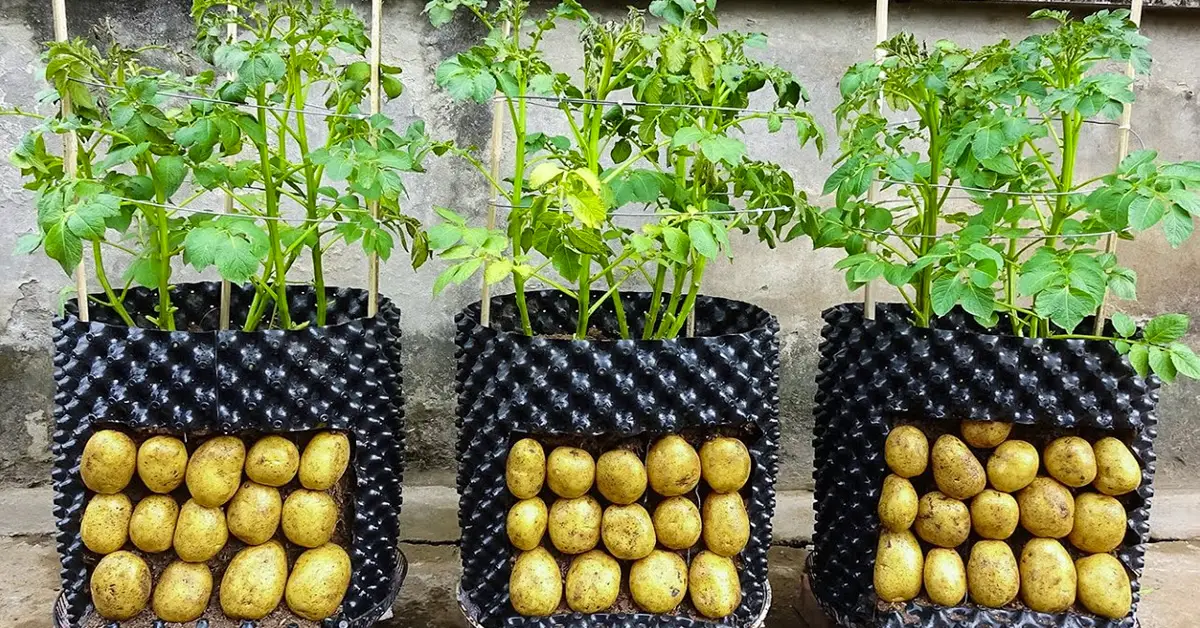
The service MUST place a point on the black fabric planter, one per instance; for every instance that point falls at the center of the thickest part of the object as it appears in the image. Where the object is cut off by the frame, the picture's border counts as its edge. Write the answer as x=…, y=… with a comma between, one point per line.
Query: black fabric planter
x=511, y=385
x=343, y=376
x=874, y=372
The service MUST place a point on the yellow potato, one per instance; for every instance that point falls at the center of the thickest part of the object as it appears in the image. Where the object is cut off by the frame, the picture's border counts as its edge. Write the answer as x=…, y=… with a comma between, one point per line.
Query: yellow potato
x=526, y=523
x=714, y=585
x=677, y=523
x=120, y=586
x=535, y=586
x=152, y=526
x=200, y=532
x=942, y=520
x=1103, y=586
x=945, y=577
x=253, y=583
x=272, y=461
x=182, y=592
x=726, y=527
x=628, y=532
x=994, y=515
x=956, y=471
x=593, y=582
x=309, y=518
x=992, y=576
x=108, y=462
x=215, y=470
x=906, y=451
x=1047, y=508
x=318, y=582
x=105, y=525
x=897, y=503
x=621, y=476
x=1100, y=523
x=570, y=472
x=985, y=434
x=658, y=582
x=162, y=463
x=673, y=466
x=253, y=513
x=1070, y=460
x=899, y=566
x=324, y=461
x=1047, y=576
x=725, y=464
x=575, y=524
x=1012, y=466
x=525, y=469
x=1117, y=471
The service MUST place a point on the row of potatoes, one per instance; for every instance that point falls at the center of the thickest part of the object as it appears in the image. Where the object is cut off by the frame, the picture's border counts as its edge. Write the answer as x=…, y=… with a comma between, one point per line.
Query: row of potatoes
x=1046, y=578
x=576, y=523
x=220, y=504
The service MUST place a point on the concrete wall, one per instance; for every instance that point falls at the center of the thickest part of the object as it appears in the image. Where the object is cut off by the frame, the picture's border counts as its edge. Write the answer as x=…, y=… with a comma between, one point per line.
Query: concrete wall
x=816, y=40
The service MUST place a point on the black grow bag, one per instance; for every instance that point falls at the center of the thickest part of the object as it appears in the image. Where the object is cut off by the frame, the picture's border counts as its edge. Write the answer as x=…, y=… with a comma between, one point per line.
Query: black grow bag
x=509, y=385
x=344, y=376
x=874, y=372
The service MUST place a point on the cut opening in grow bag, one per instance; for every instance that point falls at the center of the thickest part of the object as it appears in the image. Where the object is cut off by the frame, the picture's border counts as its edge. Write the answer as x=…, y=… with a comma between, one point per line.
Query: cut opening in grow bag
x=599, y=394
x=196, y=384
x=877, y=374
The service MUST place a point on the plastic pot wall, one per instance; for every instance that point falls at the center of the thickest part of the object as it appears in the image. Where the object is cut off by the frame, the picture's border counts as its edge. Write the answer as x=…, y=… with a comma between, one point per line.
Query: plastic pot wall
x=343, y=376
x=511, y=385
x=873, y=373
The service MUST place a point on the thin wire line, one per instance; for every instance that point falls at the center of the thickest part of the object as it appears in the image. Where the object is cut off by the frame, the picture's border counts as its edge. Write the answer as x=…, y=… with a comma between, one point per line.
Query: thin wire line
x=555, y=101
x=317, y=112
x=192, y=210
x=921, y=236
x=652, y=215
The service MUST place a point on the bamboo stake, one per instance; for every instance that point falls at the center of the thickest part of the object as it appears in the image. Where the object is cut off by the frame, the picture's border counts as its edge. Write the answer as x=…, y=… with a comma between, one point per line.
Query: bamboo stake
x=376, y=107
x=497, y=145
x=226, y=290
x=881, y=35
x=70, y=154
x=1110, y=241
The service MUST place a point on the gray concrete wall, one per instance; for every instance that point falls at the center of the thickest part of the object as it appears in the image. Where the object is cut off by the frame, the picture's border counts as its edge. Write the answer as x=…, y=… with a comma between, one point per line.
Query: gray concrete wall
x=816, y=40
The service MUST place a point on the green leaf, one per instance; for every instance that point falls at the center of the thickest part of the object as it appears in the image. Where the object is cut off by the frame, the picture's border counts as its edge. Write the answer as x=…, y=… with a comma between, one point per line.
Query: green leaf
x=170, y=171
x=27, y=243
x=1139, y=359
x=1161, y=364
x=588, y=208
x=901, y=169
x=1124, y=324
x=702, y=238
x=544, y=174
x=1185, y=360
x=726, y=149
x=261, y=69
x=774, y=123
x=64, y=247
x=1136, y=159
x=987, y=143
x=1065, y=306
x=497, y=271
x=945, y=293
x=444, y=235
x=1123, y=283
x=392, y=86
x=1166, y=328
x=687, y=136
x=1177, y=226
x=1146, y=211
x=121, y=155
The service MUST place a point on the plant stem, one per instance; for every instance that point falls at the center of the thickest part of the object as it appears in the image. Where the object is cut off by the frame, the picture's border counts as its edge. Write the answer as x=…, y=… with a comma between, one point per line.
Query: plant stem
x=275, y=255
x=166, y=312
x=690, y=302
x=929, y=223
x=584, y=296
x=117, y=305
x=655, y=302
x=310, y=207
x=673, y=303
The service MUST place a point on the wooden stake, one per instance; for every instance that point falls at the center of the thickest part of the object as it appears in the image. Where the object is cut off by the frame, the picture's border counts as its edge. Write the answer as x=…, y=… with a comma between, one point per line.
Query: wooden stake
x=226, y=290
x=497, y=145
x=1110, y=241
x=376, y=107
x=70, y=154
x=881, y=35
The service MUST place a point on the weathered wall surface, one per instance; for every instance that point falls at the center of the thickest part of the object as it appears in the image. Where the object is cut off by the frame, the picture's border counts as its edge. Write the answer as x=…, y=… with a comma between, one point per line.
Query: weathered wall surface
x=816, y=40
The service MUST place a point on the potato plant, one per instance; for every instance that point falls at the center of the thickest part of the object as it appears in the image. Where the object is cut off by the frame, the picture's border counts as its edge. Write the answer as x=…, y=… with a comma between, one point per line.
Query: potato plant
x=1001, y=127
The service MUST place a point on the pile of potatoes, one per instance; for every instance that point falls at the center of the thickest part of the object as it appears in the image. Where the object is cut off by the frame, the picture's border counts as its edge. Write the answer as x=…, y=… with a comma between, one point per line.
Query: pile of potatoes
x=1069, y=492
x=652, y=548
x=219, y=502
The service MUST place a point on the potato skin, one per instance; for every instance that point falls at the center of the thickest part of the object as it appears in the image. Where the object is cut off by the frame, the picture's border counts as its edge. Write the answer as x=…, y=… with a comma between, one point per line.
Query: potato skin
x=956, y=470
x=994, y=515
x=309, y=518
x=1047, y=576
x=714, y=586
x=673, y=466
x=152, y=526
x=1047, y=508
x=726, y=527
x=1070, y=460
x=105, y=525
x=1100, y=523
x=658, y=582
x=1117, y=471
x=570, y=472
x=575, y=524
x=525, y=469
x=677, y=523
x=108, y=462
x=1103, y=585
x=162, y=463
x=215, y=470
x=899, y=566
x=526, y=523
x=942, y=521
x=324, y=461
x=1013, y=465
x=253, y=583
x=535, y=585
x=253, y=513
x=593, y=582
x=906, y=451
x=725, y=464
x=897, y=503
x=628, y=532
x=992, y=576
x=272, y=461
x=985, y=434
x=621, y=476
x=120, y=586
x=182, y=592
x=945, y=577
x=200, y=533
x=318, y=582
